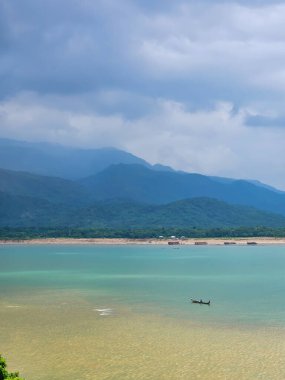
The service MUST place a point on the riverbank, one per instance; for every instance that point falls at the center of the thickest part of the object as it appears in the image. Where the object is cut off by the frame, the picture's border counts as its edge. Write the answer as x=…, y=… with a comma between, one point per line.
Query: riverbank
x=124, y=241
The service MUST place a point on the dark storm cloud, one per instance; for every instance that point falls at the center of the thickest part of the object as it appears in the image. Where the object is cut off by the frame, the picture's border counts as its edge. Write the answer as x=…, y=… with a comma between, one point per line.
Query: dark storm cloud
x=181, y=82
x=66, y=47
x=77, y=46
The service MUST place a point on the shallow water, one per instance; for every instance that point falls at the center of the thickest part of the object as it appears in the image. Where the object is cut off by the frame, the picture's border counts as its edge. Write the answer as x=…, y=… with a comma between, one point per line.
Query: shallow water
x=123, y=312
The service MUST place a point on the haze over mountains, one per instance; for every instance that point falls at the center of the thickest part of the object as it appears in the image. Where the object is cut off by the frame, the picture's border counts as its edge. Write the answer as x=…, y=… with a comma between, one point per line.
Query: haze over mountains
x=61, y=161
x=112, y=188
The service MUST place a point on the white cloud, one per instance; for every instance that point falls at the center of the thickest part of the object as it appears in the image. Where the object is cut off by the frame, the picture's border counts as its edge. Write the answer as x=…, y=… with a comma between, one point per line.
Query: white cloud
x=162, y=81
x=241, y=42
x=216, y=141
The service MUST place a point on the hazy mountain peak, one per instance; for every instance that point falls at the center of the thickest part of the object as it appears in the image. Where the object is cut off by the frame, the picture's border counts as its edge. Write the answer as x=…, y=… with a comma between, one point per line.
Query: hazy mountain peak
x=61, y=161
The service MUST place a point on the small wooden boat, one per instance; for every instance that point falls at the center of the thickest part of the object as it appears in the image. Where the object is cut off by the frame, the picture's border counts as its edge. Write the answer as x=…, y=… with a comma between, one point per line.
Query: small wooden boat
x=201, y=302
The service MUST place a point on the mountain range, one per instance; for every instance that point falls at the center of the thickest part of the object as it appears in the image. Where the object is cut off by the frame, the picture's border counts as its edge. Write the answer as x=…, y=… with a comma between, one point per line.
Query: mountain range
x=141, y=184
x=62, y=161
x=50, y=185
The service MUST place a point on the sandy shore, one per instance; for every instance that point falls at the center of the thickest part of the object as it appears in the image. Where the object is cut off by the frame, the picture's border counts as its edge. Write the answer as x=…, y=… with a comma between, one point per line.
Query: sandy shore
x=121, y=241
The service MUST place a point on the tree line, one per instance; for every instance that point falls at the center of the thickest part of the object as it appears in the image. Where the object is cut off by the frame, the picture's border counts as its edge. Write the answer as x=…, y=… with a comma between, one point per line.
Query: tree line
x=9, y=233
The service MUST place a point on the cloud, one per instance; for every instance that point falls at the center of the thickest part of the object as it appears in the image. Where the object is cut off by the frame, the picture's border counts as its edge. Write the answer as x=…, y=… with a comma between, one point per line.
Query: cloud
x=216, y=141
x=265, y=121
x=78, y=46
x=195, y=85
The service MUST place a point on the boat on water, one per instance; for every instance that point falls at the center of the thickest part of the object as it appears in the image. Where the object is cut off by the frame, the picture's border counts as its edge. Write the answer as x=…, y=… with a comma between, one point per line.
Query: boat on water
x=201, y=302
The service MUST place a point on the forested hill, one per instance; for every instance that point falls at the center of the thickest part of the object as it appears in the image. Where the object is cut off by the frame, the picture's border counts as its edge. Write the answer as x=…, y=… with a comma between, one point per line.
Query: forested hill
x=134, y=183
x=53, y=189
x=141, y=184
x=196, y=212
x=21, y=211
x=85, y=188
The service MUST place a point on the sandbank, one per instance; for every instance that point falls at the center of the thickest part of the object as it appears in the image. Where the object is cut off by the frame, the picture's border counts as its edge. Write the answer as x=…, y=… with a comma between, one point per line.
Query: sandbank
x=125, y=241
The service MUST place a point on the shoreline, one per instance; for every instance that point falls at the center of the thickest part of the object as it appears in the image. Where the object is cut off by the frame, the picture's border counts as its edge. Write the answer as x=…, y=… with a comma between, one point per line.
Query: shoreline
x=126, y=241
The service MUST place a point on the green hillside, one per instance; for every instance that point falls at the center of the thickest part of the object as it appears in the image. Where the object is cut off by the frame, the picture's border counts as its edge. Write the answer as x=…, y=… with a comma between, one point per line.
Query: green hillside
x=53, y=189
x=141, y=184
x=197, y=212
x=152, y=199
x=21, y=211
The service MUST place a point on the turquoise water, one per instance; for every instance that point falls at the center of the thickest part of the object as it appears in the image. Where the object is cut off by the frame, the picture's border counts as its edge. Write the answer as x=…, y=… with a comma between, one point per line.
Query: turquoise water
x=246, y=285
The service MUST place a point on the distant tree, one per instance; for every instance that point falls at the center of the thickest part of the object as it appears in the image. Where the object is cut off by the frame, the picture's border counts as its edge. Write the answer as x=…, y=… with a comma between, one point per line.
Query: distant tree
x=4, y=374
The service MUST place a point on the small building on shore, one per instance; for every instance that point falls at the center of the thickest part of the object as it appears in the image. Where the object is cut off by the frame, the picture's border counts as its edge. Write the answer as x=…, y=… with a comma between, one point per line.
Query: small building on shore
x=173, y=242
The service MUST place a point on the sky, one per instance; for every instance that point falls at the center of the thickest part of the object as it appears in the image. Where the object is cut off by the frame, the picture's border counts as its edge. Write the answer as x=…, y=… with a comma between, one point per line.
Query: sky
x=197, y=85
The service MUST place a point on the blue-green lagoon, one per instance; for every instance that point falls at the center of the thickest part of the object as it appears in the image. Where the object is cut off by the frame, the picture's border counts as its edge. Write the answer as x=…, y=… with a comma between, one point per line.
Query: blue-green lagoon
x=124, y=312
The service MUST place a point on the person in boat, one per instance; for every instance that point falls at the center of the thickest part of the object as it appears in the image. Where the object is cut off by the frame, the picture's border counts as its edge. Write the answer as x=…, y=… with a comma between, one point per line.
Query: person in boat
x=201, y=302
